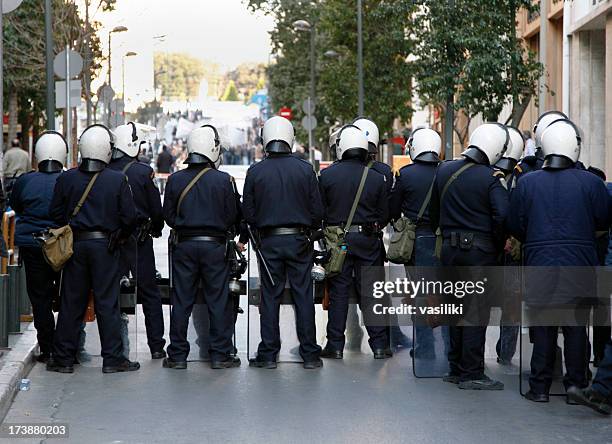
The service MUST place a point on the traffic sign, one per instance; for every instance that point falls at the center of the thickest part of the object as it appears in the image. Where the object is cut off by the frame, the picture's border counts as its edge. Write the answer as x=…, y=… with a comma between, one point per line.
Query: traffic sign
x=60, y=93
x=309, y=106
x=105, y=94
x=10, y=5
x=309, y=123
x=286, y=113
x=59, y=64
x=117, y=109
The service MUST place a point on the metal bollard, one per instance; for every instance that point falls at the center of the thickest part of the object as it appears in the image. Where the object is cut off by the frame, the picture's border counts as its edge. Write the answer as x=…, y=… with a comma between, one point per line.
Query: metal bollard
x=25, y=308
x=13, y=324
x=4, y=291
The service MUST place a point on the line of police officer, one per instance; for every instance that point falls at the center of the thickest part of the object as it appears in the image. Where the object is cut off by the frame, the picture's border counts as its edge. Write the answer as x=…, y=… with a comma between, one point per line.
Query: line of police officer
x=285, y=203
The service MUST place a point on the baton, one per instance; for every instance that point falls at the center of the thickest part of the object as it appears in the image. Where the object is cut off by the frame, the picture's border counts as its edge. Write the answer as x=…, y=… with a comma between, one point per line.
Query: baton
x=260, y=256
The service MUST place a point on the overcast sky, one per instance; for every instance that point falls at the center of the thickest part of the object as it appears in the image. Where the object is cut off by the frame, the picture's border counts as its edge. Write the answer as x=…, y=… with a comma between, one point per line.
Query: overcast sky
x=222, y=31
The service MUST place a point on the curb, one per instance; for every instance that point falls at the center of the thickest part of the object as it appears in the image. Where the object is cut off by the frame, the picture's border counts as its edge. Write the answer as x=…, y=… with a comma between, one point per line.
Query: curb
x=17, y=364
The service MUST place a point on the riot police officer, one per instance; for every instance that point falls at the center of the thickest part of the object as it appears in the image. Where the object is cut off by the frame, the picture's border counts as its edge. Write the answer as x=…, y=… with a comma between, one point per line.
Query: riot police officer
x=372, y=133
x=572, y=205
x=30, y=198
x=469, y=205
x=202, y=209
x=339, y=185
x=105, y=218
x=508, y=333
x=137, y=254
x=534, y=163
x=411, y=197
x=281, y=200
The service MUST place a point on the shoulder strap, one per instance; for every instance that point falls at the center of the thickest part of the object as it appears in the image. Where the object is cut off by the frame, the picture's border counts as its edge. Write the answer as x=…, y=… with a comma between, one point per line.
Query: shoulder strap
x=364, y=176
x=84, y=196
x=128, y=166
x=190, y=186
x=454, y=177
x=426, y=201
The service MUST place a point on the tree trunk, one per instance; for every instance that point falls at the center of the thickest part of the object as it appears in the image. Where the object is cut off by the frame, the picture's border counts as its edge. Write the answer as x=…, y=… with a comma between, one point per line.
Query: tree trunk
x=73, y=136
x=518, y=111
x=13, y=109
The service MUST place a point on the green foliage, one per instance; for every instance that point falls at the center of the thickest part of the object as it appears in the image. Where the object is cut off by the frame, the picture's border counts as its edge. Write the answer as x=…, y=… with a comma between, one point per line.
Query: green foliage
x=182, y=75
x=24, y=55
x=231, y=93
x=470, y=50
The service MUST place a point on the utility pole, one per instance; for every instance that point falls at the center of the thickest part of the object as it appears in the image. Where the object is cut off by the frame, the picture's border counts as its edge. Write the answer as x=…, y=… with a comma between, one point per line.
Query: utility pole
x=49, y=65
x=88, y=62
x=360, y=57
x=449, y=115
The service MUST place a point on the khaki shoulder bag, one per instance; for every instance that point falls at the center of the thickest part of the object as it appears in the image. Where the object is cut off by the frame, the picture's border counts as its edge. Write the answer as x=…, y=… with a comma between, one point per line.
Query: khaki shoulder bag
x=401, y=242
x=57, y=247
x=334, y=235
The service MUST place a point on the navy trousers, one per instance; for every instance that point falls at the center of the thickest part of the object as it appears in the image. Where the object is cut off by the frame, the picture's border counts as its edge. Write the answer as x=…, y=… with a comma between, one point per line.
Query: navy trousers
x=148, y=293
x=92, y=267
x=603, y=380
x=193, y=261
x=289, y=258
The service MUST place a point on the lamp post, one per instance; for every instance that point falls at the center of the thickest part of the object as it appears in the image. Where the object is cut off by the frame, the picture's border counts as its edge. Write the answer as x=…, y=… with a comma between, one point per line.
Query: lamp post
x=360, y=57
x=116, y=29
x=127, y=54
x=155, y=75
x=449, y=116
x=304, y=26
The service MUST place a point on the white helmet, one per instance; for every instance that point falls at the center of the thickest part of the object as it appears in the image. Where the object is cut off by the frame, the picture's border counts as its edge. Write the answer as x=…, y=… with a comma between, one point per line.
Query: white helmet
x=562, y=138
x=543, y=121
x=96, y=143
x=333, y=140
x=350, y=137
x=51, y=145
x=424, y=140
x=489, y=139
x=127, y=139
x=370, y=130
x=204, y=141
x=514, y=151
x=278, y=135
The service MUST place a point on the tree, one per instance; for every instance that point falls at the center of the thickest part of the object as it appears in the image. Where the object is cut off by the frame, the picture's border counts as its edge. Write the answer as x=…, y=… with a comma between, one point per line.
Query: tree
x=231, y=93
x=386, y=48
x=24, y=57
x=181, y=75
x=470, y=50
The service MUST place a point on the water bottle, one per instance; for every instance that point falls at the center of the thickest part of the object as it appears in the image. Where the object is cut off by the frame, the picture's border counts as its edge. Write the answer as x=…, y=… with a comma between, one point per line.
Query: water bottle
x=24, y=385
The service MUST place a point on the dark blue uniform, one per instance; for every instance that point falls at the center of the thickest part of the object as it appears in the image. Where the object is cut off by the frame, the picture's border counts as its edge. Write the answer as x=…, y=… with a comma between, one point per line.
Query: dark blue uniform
x=139, y=257
x=209, y=212
x=109, y=209
x=527, y=165
x=30, y=198
x=559, y=231
x=409, y=194
x=282, y=191
x=474, y=206
x=339, y=185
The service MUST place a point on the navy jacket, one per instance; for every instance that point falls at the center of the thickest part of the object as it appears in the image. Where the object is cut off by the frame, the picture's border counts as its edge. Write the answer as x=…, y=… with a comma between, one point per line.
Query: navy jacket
x=109, y=206
x=146, y=195
x=476, y=202
x=410, y=190
x=555, y=213
x=386, y=171
x=209, y=208
x=282, y=191
x=339, y=183
x=30, y=198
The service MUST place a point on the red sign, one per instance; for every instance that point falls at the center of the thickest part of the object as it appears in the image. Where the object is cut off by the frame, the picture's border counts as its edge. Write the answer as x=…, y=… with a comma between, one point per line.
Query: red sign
x=286, y=113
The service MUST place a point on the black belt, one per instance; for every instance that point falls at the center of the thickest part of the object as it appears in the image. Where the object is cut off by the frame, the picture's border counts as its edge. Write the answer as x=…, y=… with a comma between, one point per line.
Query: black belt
x=281, y=231
x=89, y=235
x=368, y=230
x=184, y=238
x=468, y=239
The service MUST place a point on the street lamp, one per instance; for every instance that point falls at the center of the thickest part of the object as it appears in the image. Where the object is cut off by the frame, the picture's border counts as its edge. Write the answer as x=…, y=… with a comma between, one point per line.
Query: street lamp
x=116, y=29
x=331, y=54
x=304, y=26
x=360, y=56
x=127, y=54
